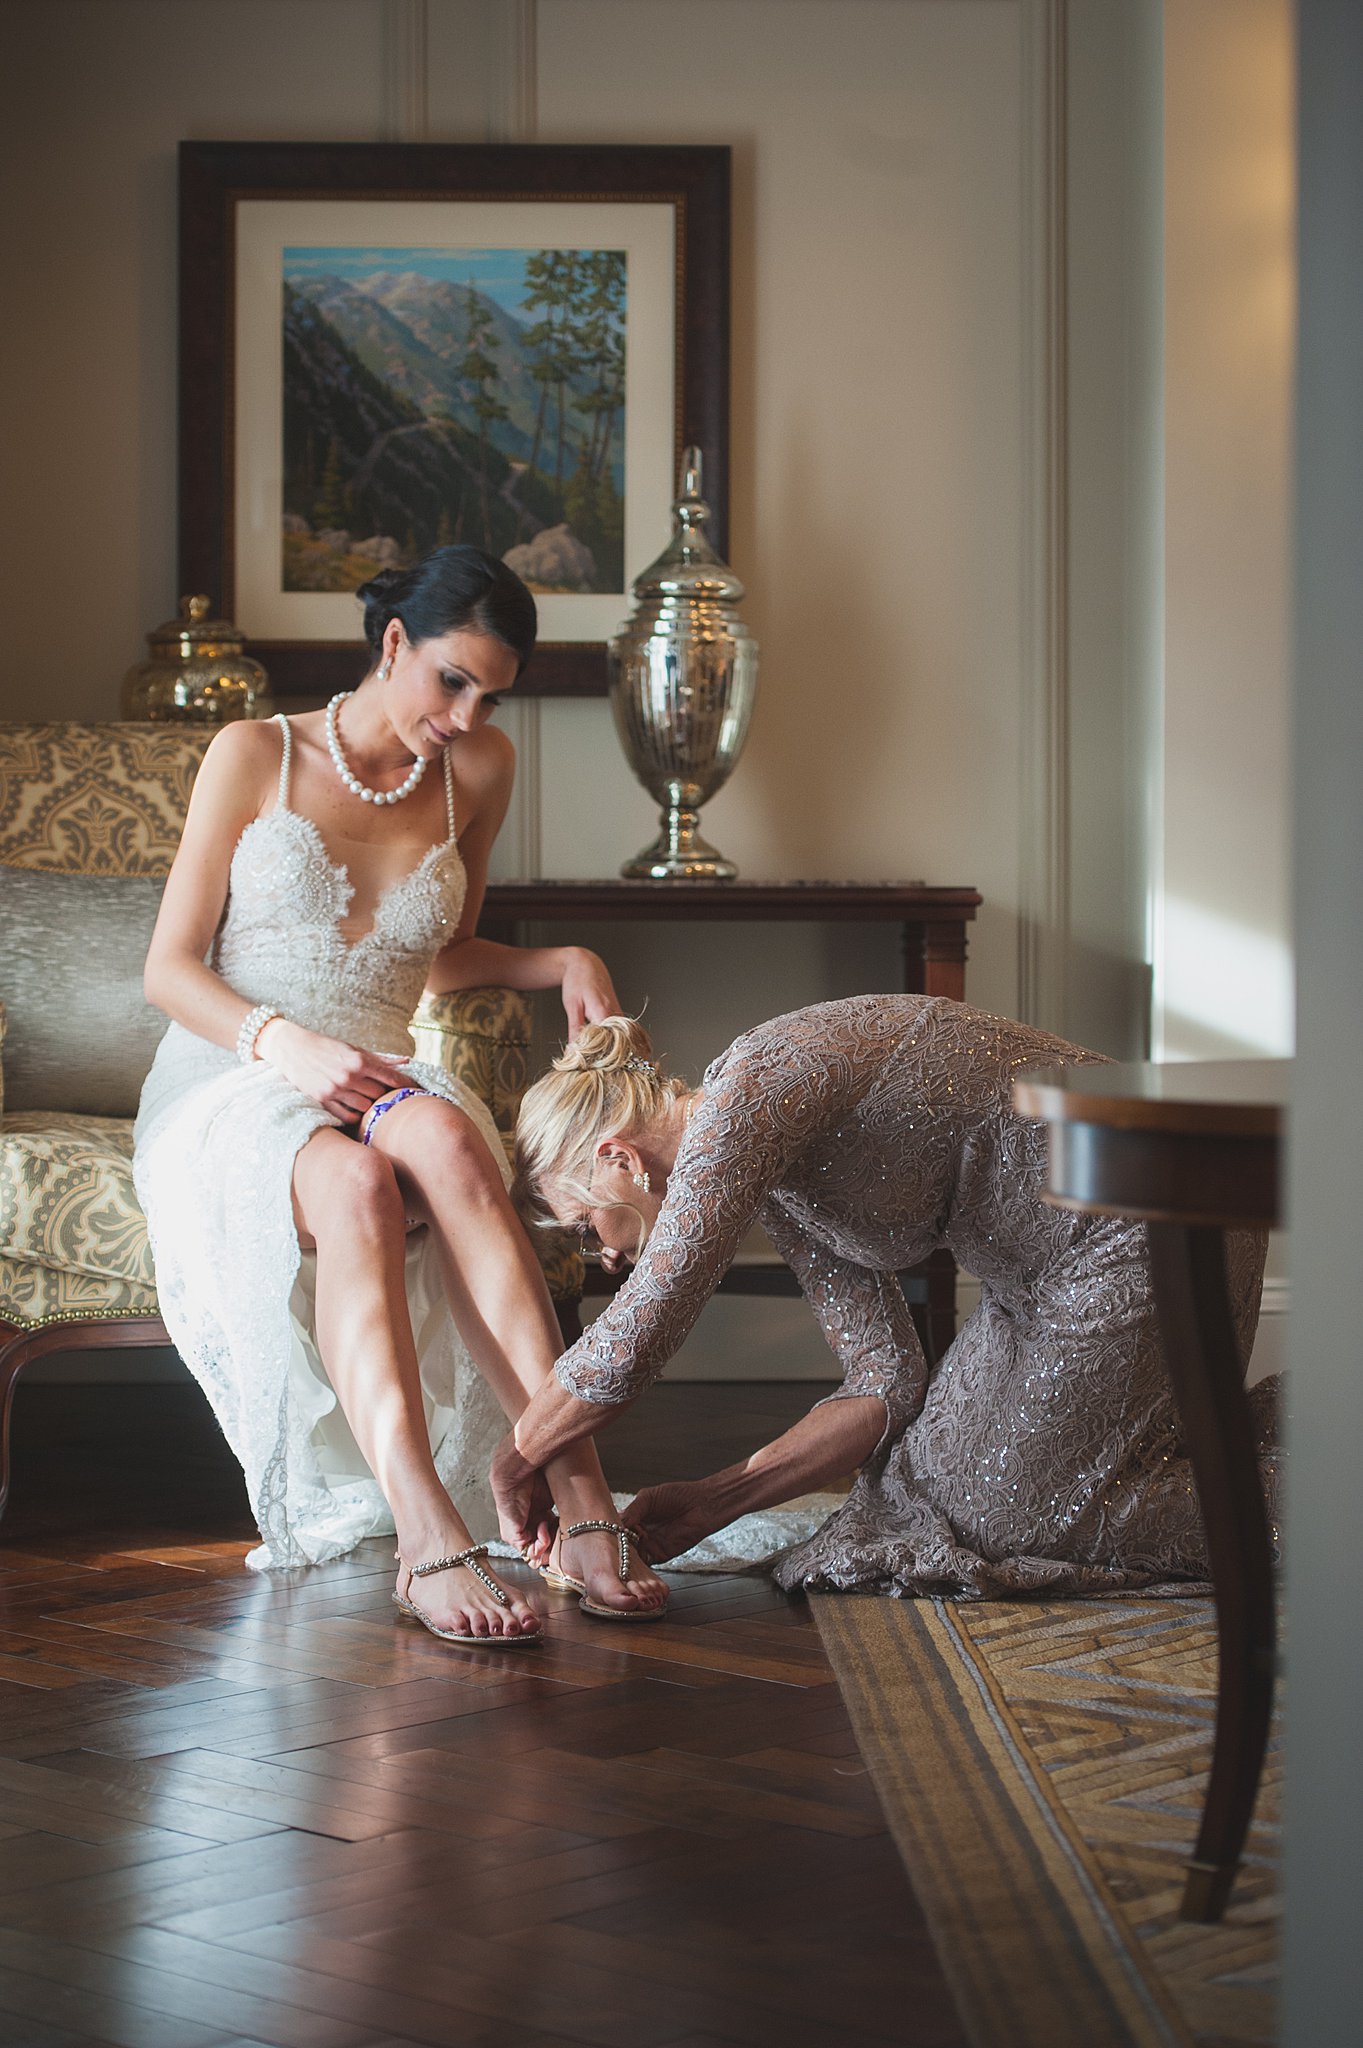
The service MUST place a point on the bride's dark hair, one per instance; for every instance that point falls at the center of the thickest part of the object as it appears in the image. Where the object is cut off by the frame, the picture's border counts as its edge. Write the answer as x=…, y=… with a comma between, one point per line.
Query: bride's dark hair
x=456, y=586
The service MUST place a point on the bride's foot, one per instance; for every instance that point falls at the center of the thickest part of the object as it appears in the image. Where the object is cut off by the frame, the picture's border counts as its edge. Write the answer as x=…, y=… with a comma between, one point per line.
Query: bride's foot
x=453, y=1594
x=590, y=1560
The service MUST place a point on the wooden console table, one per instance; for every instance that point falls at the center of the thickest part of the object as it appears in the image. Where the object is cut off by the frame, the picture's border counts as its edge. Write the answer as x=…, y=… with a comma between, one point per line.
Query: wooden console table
x=932, y=921
x=1193, y=1149
x=933, y=929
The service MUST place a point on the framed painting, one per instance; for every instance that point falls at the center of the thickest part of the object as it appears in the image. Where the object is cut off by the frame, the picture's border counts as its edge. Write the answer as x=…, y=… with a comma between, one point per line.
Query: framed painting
x=385, y=347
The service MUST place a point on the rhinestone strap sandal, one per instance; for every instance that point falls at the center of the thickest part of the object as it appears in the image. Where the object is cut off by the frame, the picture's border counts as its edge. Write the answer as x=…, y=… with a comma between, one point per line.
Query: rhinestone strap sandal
x=468, y=1558
x=568, y=1584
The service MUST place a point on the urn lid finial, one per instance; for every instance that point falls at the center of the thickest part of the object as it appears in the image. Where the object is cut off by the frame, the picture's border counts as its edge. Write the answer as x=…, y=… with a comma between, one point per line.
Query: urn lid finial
x=689, y=566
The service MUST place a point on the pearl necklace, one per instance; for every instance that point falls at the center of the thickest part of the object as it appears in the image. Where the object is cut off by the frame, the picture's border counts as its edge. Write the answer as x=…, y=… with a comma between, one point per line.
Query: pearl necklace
x=347, y=775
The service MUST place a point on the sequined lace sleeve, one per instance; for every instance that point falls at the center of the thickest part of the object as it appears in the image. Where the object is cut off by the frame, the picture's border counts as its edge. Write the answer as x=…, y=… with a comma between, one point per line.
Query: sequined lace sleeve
x=865, y=1320
x=763, y=1100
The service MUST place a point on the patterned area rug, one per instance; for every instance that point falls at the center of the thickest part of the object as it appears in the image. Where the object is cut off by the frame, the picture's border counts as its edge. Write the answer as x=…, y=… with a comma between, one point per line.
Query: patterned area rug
x=1042, y=1767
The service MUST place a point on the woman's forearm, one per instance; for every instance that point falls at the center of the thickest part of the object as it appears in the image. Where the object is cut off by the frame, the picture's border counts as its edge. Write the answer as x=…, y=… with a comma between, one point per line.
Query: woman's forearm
x=556, y=1419
x=833, y=1440
x=484, y=963
x=191, y=994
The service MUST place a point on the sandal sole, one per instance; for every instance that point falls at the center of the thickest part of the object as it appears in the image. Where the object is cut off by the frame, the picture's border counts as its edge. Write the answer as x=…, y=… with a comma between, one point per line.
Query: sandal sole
x=624, y=1613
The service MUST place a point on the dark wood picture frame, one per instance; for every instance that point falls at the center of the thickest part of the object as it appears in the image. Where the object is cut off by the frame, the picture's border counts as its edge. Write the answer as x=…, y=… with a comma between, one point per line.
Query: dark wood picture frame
x=216, y=176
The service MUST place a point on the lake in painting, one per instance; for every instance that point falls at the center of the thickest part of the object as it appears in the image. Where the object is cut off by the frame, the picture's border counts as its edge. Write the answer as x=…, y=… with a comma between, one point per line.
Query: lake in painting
x=437, y=395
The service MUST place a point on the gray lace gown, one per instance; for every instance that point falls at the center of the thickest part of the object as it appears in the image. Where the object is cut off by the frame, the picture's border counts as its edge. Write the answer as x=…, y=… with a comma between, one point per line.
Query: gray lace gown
x=1042, y=1455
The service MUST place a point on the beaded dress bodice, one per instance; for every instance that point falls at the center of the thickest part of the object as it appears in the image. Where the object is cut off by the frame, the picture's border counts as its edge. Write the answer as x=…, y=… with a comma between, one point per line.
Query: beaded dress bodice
x=281, y=940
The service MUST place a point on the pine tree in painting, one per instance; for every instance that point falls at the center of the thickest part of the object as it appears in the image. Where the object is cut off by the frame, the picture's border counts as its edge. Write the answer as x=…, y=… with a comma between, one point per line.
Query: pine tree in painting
x=479, y=368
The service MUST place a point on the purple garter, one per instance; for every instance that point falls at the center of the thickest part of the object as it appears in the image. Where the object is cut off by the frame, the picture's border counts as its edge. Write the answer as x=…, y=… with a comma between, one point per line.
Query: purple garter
x=371, y=1116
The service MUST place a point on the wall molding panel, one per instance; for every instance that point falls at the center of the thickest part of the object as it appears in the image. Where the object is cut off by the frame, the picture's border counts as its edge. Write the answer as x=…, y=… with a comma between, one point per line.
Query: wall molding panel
x=518, y=121
x=1044, y=852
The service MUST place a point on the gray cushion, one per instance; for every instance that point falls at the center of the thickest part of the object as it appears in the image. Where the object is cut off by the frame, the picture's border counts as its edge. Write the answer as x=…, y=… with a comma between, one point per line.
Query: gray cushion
x=72, y=947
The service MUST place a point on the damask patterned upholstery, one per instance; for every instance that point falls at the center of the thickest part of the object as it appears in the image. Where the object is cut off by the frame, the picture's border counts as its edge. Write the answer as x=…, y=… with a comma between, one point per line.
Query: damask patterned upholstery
x=95, y=799
x=110, y=800
x=75, y=1244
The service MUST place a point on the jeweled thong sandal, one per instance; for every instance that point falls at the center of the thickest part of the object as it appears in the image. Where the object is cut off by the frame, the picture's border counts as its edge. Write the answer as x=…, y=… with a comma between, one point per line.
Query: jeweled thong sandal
x=468, y=1558
x=568, y=1584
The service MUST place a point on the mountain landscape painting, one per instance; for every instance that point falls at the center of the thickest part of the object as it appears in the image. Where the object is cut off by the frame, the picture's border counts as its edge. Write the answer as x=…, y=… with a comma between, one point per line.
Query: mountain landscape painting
x=437, y=395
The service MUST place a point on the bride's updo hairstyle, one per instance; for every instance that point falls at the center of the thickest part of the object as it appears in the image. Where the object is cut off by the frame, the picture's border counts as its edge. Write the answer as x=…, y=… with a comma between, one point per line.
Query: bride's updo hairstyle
x=455, y=587
x=605, y=1084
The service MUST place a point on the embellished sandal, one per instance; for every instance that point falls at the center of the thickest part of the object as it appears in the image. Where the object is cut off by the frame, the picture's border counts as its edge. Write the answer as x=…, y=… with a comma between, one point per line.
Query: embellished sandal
x=468, y=1558
x=566, y=1583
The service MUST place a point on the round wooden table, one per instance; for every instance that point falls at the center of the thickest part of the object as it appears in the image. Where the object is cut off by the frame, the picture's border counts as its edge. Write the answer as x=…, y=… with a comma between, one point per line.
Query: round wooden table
x=1193, y=1150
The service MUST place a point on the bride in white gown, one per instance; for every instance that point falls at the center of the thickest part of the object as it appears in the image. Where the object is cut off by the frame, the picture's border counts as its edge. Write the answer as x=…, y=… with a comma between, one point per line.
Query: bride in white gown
x=336, y=1257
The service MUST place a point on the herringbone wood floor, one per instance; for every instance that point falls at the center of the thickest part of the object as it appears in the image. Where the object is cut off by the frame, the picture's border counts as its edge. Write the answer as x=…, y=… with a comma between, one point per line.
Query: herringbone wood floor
x=240, y=1810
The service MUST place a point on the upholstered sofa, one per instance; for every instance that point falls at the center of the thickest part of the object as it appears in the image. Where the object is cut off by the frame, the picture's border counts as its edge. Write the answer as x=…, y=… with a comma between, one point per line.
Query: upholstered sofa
x=90, y=817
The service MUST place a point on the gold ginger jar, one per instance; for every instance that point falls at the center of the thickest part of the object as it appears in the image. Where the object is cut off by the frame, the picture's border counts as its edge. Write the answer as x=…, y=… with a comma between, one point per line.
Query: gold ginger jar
x=197, y=673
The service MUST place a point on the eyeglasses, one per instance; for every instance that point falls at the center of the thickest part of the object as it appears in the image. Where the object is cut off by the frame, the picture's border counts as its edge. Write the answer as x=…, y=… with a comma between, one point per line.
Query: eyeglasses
x=589, y=1243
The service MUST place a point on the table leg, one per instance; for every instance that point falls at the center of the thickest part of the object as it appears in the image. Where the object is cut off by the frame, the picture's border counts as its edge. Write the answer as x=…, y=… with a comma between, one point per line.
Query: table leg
x=1188, y=1263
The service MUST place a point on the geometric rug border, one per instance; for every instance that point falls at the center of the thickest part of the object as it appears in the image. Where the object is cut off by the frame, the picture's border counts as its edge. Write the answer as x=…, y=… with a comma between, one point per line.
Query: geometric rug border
x=1035, y=1948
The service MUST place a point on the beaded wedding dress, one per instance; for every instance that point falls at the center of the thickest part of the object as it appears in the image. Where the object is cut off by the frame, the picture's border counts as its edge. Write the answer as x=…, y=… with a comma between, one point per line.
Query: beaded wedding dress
x=1042, y=1454
x=215, y=1145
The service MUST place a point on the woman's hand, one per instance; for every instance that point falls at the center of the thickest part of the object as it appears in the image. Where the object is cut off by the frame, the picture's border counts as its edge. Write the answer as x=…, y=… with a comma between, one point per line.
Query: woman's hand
x=525, y=1509
x=343, y=1078
x=669, y=1519
x=588, y=991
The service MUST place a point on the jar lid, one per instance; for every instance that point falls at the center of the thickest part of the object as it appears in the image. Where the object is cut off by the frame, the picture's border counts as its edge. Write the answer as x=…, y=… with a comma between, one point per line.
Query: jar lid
x=688, y=566
x=193, y=632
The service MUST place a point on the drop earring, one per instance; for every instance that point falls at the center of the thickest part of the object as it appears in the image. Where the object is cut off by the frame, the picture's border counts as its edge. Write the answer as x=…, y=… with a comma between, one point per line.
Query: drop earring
x=385, y=669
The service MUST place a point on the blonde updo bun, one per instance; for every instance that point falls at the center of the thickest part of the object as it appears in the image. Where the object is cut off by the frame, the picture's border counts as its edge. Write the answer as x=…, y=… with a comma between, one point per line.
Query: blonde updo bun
x=606, y=1083
x=615, y=1045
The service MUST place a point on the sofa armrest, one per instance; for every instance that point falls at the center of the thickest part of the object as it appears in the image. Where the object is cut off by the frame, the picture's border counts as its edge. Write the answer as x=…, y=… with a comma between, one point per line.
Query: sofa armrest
x=482, y=1037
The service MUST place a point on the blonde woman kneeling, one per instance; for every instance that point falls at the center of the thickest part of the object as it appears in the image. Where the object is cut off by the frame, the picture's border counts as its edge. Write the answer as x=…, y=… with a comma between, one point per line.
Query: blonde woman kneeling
x=1041, y=1454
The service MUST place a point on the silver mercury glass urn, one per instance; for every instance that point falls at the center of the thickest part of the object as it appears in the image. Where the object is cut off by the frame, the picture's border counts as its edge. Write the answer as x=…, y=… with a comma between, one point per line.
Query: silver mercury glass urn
x=683, y=677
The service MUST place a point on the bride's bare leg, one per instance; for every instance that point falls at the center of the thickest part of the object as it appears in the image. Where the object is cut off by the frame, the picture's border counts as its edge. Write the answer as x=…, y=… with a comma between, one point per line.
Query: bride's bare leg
x=347, y=1203
x=502, y=1308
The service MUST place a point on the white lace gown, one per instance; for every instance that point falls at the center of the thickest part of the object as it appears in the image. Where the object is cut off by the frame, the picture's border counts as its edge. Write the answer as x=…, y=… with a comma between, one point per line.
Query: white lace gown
x=215, y=1145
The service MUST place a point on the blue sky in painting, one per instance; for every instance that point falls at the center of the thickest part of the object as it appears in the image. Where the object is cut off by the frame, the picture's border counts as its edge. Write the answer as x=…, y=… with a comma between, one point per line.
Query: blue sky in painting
x=499, y=273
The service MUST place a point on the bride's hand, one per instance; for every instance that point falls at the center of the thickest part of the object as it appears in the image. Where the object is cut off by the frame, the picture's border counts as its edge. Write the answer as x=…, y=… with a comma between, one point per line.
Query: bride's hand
x=670, y=1518
x=588, y=991
x=343, y=1078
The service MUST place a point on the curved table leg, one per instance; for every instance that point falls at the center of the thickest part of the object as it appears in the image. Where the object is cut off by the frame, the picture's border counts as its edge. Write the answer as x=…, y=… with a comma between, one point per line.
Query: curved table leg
x=1188, y=1262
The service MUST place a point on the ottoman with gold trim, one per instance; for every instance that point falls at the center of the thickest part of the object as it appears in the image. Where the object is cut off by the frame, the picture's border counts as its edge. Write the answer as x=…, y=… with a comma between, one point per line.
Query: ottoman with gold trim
x=90, y=817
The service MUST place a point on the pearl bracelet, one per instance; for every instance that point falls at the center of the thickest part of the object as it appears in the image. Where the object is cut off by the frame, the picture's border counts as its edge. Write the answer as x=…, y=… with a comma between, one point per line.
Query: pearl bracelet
x=252, y=1024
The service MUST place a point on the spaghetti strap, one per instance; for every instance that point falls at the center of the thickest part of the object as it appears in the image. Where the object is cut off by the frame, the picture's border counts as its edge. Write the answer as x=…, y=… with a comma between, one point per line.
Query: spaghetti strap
x=449, y=794
x=285, y=760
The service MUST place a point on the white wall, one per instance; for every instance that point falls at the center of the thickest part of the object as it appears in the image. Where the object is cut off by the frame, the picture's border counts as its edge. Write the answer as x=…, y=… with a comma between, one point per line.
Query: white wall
x=878, y=417
x=877, y=375
x=876, y=406
x=1222, y=915
x=890, y=438
x=1115, y=505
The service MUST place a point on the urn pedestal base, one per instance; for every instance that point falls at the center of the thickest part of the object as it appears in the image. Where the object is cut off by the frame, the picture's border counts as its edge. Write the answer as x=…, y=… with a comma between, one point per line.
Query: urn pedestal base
x=679, y=853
